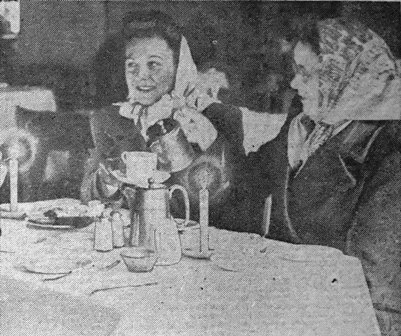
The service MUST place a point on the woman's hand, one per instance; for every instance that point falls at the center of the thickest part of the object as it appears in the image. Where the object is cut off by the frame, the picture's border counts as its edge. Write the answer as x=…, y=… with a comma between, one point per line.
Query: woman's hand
x=197, y=128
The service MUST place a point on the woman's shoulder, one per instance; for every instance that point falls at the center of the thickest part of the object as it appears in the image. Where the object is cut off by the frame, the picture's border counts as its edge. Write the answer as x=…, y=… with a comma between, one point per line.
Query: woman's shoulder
x=375, y=137
x=108, y=116
x=109, y=119
x=110, y=111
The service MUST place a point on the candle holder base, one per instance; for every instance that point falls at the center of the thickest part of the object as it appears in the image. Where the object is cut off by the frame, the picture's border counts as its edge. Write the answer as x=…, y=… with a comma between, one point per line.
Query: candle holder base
x=19, y=215
x=196, y=254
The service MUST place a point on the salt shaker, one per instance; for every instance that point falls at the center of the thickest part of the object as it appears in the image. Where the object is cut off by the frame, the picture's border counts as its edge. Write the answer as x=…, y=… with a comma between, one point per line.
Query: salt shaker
x=103, y=233
x=117, y=224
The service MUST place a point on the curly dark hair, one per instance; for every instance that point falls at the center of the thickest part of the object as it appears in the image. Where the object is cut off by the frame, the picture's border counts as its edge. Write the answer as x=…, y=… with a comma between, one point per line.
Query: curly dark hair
x=147, y=24
x=304, y=29
x=108, y=63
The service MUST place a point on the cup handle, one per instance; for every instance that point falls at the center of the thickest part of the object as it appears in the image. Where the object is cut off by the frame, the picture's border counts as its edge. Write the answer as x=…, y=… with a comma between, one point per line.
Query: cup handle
x=124, y=157
x=186, y=200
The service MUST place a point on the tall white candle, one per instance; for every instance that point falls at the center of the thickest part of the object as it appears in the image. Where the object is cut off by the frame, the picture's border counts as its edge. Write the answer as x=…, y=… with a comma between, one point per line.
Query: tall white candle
x=204, y=219
x=13, y=169
x=204, y=212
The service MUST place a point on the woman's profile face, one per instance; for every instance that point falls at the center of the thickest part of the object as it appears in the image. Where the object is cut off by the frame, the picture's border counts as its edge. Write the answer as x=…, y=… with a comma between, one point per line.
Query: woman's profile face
x=306, y=79
x=149, y=69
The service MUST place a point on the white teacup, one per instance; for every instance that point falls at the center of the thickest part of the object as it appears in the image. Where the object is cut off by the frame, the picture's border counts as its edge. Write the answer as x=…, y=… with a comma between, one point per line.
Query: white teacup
x=139, y=165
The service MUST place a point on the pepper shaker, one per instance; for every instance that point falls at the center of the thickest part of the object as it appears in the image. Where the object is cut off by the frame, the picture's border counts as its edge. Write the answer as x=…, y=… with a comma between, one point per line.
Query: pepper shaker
x=117, y=224
x=103, y=233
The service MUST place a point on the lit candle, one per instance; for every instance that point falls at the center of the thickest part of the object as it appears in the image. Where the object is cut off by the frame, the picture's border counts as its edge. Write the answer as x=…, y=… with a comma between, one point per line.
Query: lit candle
x=204, y=213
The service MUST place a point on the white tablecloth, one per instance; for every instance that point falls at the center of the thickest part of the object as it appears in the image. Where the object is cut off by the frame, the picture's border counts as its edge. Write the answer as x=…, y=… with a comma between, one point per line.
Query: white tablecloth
x=250, y=286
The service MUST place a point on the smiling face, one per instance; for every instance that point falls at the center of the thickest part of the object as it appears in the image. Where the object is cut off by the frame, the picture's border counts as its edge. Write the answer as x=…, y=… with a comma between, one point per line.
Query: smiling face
x=306, y=79
x=149, y=69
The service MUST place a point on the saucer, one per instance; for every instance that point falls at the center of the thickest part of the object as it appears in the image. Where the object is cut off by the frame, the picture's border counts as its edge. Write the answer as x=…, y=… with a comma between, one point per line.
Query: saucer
x=157, y=176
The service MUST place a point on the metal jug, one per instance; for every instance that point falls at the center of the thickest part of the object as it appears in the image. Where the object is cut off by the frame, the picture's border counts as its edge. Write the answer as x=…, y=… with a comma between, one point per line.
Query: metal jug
x=150, y=214
x=174, y=152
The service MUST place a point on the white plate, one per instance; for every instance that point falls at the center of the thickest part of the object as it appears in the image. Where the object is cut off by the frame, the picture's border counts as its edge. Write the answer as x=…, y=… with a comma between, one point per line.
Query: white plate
x=157, y=176
x=50, y=226
x=55, y=263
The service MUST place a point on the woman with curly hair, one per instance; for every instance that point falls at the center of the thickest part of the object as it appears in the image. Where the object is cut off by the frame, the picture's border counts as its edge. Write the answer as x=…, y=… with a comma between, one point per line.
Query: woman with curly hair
x=163, y=85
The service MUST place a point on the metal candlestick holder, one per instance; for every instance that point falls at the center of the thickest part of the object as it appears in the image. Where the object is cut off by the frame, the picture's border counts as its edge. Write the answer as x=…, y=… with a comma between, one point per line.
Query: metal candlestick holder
x=203, y=252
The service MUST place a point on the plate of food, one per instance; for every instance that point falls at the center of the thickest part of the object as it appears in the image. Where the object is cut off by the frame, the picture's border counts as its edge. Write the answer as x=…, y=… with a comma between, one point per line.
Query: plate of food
x=51, y=224
x=66, y=216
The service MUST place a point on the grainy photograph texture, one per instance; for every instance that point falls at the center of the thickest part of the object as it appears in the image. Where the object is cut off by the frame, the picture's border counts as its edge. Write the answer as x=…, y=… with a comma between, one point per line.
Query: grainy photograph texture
x=200, y=168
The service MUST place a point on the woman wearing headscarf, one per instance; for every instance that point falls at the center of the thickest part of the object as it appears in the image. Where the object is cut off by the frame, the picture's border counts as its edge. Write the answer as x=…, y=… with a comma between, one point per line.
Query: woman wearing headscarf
x=343, y=183
x=163, y=85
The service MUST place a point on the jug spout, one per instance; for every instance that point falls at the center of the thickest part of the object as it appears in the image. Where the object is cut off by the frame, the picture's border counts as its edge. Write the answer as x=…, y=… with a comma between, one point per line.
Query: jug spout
x=174, y=151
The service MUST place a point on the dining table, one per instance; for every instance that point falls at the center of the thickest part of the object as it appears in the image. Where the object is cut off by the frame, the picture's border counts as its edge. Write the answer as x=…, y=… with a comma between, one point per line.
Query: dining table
x=53, y=282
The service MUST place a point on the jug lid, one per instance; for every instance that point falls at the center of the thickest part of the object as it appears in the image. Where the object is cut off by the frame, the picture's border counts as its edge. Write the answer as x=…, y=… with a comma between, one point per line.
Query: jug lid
x=153, y=185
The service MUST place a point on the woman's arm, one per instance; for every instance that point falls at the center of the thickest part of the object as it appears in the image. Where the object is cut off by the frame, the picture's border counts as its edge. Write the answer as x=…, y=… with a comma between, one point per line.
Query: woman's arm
x=98, y=183
x=112, y=135
x=375, y=239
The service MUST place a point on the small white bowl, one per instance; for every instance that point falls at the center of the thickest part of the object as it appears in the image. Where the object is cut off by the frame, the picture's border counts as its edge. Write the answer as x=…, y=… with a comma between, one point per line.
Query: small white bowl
x=139, y=259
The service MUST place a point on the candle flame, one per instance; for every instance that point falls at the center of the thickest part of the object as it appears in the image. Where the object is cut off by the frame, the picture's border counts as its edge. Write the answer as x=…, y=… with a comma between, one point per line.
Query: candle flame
x=204, y=179
x=19, y=144
x=15, y=150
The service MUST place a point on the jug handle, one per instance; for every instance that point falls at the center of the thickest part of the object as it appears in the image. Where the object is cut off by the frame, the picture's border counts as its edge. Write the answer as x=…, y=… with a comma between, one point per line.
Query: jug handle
x=124, y=157
x=186, y=200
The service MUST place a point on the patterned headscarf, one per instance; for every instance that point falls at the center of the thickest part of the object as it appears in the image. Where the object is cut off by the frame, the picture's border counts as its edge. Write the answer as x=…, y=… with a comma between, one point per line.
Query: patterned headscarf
x=358, y=78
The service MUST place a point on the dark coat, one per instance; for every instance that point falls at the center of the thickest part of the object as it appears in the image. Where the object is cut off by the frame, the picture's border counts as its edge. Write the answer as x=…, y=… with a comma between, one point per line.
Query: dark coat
x=320, y=201
x=348, y=196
